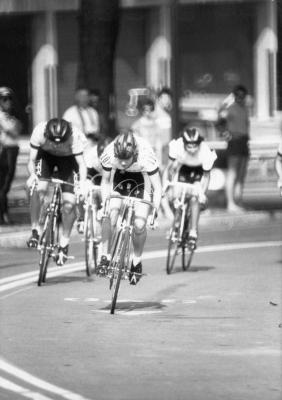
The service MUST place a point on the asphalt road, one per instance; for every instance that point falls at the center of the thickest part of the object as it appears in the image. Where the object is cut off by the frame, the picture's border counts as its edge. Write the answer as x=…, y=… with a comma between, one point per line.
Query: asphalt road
x=213, y=332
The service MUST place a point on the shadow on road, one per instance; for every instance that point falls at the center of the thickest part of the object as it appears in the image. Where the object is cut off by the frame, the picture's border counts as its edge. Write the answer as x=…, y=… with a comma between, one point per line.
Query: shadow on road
x=193, y=269
x=136, y=305
x=66, y=279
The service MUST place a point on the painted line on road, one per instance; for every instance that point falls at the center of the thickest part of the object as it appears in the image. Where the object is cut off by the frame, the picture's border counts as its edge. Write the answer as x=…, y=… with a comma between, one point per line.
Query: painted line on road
x=22, y=391
x=31, y=277
x=39, y=383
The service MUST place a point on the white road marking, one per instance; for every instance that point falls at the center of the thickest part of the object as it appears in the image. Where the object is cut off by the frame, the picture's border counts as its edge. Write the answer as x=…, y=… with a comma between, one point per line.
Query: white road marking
x=168, y=301
x=91, y=299
x=72, y=298
x=189, y=301
x=12, y=387
x=30, y=277
x=15, y=292
x=40, y=383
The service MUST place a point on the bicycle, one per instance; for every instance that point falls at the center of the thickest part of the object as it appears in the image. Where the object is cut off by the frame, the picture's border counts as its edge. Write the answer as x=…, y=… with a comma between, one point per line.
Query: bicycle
x=91, y=240
x=178, y=235
x=122, y=243
x=49, y=239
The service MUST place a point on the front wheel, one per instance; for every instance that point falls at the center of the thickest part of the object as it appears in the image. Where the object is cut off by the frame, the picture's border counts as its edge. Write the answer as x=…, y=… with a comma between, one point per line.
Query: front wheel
x=118, y=265
x=45, y=251
x=173, y=243
x=91, y=249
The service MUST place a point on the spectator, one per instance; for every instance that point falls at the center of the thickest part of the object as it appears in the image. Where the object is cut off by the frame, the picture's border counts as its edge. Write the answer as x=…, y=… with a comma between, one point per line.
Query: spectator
x=278, y=166
x=10, y=128
x=234, y=122
x=95, y=102
x=147, y=127
x=163, y=118
x=84, y=117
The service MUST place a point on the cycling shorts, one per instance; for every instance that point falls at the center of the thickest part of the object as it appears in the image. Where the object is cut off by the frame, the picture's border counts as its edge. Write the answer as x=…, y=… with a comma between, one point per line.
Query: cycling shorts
x=62, y=167
x=129, y=183
x=190, y=174
x=91, y=172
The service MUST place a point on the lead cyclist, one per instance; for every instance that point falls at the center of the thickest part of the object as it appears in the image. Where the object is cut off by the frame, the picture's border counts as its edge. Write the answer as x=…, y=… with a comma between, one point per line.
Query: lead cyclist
x=190, y=161
x=130, y=168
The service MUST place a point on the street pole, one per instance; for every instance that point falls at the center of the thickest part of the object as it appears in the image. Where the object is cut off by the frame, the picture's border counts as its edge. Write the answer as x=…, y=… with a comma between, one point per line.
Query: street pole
x=175, y=73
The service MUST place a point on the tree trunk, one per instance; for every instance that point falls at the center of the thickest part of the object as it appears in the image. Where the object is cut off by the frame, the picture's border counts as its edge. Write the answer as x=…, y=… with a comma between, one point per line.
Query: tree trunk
x=98, y=30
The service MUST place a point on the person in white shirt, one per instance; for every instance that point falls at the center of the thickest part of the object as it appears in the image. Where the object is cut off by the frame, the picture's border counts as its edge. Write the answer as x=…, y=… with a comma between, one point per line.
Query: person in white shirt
x=84, y=117
x=10, y=129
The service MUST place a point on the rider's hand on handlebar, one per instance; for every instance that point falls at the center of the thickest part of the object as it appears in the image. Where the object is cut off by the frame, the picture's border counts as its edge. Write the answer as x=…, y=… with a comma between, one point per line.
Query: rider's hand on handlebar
x=32, y=181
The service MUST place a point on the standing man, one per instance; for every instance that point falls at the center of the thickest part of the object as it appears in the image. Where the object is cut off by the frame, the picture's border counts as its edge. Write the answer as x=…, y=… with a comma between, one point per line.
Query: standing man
x=278, y=166
x=84, y=117
x=236, y=121
x=10, y=129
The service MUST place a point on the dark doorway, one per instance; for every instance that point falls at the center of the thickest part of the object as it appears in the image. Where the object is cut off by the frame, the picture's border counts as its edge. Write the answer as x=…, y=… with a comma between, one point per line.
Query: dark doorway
x=15, y=61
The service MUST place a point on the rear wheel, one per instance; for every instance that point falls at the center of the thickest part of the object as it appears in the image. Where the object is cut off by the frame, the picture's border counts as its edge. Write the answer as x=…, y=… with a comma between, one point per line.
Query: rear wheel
x=173, y=243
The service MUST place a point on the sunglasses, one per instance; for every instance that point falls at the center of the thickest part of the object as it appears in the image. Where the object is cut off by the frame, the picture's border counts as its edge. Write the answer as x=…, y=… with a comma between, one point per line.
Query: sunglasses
x=6, y=98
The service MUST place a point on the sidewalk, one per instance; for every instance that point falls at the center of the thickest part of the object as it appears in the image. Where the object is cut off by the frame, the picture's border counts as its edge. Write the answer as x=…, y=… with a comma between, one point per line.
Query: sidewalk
x=16, y=235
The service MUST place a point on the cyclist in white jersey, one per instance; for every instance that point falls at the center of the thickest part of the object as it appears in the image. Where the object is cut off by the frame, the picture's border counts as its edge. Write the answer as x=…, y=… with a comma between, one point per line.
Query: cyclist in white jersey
x=94, y=175
x=130, y=168
x=190, y=161
x=55, y=145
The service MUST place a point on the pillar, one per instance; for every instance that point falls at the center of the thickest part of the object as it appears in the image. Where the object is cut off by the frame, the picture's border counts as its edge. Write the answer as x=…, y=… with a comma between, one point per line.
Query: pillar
x=159, y=48
x=44, y=67
x=265, y=53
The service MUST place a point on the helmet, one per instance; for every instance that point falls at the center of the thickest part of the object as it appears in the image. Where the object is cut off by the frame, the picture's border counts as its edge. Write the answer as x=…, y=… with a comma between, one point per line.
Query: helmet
x=6, y=92
x=191, y=136
x=58, y=130
x=125, y=146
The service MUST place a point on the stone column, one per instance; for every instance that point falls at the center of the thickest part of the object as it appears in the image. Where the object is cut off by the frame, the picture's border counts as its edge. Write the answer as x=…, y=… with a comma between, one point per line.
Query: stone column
x=265, y=53
x=44, y=66
x=159, y=48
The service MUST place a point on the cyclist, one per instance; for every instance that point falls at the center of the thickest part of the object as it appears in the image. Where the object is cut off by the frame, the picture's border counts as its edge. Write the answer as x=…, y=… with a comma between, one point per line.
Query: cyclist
x=94, y=174
x=130, y=168
x=190, y=161
x=55, y=144
x=278, y=166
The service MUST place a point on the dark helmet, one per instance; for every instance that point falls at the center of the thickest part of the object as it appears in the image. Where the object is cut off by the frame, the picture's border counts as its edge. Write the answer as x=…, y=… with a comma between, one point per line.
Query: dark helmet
x=191, y=136
x=125, y=146
x=58, y=130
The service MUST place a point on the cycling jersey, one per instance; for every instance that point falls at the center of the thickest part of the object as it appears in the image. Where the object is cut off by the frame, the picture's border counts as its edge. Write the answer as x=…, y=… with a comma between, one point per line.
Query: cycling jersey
x=72, y=146
x=135, y=179
x=191, y=166
x=93, y=164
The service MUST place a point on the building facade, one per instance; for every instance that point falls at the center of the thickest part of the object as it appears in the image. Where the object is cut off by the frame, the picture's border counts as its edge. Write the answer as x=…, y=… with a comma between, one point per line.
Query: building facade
x=220, y=43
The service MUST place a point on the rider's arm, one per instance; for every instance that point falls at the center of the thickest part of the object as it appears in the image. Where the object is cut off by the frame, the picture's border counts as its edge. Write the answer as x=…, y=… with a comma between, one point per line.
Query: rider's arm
x=81, y=167
x=170, y=171
x=105, y=185
x=157, y=186
x=32, y=160
x=205, y=181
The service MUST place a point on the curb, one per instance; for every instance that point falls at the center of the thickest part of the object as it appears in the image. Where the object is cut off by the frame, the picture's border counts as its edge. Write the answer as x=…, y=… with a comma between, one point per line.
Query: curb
x=17, y=235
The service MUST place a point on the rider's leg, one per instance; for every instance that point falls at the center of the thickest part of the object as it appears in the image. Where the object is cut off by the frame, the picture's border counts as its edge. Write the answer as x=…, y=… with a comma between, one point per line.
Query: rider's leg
x=68, y=217
x=108, y=226
x=36, y=203
x=195, y=214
